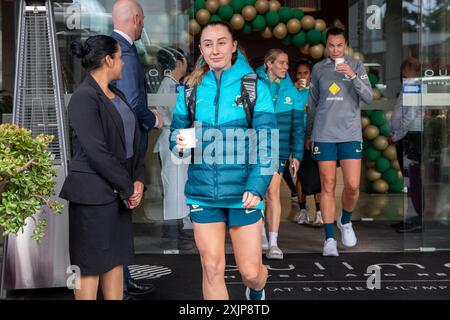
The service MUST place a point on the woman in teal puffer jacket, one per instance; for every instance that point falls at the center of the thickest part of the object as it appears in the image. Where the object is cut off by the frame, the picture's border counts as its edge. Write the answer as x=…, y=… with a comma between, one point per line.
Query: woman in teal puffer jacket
x=290, y=115
x=225, y=187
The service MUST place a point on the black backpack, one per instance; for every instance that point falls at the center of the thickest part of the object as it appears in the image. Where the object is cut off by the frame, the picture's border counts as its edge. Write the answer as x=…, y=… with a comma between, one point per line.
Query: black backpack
x=248, y=97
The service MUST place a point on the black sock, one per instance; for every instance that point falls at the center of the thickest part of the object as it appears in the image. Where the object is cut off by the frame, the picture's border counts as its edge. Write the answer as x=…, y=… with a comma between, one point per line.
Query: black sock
x=302, y=205
x=317, y=206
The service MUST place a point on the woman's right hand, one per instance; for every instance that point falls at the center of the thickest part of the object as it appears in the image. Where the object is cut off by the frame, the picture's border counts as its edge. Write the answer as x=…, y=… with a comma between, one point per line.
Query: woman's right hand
x=181, y=146
x=308, y=144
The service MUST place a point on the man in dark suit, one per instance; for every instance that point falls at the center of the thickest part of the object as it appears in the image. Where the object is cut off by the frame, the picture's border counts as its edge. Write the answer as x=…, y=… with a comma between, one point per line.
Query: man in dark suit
x=128, y=21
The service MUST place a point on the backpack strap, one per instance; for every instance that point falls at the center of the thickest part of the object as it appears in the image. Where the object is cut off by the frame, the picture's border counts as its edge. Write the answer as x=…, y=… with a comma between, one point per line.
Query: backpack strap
x=249, y=95
x=190, y=97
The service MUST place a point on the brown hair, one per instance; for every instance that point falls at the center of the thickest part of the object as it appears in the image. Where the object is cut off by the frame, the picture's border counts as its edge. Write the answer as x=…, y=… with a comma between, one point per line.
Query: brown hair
x=271, y=56
x=201, y=67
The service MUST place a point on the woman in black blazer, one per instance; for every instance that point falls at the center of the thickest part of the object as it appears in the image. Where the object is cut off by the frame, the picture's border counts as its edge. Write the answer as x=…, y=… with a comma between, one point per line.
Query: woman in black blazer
x=106, y=177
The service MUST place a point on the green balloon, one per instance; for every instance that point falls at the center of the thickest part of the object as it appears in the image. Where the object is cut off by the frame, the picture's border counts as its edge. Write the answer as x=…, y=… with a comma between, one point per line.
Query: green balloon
x=385, y=130
x=237, y=5
x=373, y=79
x=215, y=17
x=367, y=144
x=378, y=118
x=324, y=37
x=382, y=164
x=247, y=28
x=285, y=14
x=272, y=18
x=226, y=12
x=373, y=154
x=299, y=39
x=191, y=13
x=259, y=23
x=287, y=41
x=396, y=186
x=249, y=2
x=297, y=14
x=199, y=4
x=390, y=176
x=314, y=37
x=367, y=113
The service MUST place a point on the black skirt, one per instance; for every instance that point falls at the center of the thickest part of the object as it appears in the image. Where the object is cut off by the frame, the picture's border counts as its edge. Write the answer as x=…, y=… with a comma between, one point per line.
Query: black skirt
x=100, y=237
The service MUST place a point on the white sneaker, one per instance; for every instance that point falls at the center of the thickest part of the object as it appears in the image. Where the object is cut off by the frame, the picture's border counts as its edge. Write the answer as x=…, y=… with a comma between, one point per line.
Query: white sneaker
x=348, y=236
x=318, y=221
x=274, y=253
x=330, y=248
x=265, y=242
x=303, y=218
x=247, y=295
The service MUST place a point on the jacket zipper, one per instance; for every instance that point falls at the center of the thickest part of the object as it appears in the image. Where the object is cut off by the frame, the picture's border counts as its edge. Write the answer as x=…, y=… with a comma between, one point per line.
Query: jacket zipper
x=216, y=125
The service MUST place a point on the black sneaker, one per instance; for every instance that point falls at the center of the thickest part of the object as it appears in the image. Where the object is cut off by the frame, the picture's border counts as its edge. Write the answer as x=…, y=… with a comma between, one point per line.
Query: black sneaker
x=410, y=227
x=139, y=288
x=128, y=296
x=397, y=225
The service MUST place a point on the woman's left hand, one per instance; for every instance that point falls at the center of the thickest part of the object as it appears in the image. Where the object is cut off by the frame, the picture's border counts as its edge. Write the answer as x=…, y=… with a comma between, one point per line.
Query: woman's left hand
x=138, y=193
x=345, y=68
x=250, y=200
x=295, y=165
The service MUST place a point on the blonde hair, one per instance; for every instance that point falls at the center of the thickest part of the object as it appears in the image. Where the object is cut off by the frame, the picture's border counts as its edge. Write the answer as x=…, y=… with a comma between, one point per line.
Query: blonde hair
x=271, y=56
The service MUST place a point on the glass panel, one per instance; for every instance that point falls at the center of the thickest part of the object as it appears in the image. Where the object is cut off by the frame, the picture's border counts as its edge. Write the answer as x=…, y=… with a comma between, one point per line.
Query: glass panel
x=165, y=31
x=435, y=60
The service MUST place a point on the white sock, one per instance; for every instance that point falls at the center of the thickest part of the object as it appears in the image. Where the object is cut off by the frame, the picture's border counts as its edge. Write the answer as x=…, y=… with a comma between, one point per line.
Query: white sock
x=273, y=239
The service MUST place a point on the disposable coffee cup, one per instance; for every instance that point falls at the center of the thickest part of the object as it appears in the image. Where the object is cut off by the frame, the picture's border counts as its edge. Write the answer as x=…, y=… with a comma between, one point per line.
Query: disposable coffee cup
x=188, y=136
x=302, y=83
x=338, y=61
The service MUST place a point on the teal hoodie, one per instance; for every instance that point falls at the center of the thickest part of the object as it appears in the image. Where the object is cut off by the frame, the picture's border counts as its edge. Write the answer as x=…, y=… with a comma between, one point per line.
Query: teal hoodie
x=220, y=183
x=289, y=110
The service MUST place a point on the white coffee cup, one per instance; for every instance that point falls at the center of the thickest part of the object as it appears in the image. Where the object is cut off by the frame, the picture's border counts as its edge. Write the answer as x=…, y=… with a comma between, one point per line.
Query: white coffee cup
x=338, y=61
x=302, y=83
x=188, y=136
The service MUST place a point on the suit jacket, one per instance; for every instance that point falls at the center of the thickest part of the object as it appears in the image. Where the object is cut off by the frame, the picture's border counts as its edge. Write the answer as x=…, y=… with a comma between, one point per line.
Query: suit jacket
x=133, y=85
x=98, y=170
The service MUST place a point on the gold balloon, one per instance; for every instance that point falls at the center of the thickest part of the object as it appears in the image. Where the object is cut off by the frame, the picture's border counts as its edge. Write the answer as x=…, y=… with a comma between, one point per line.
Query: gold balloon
x=249, y=13
x=351, y=52
x=262, y=6
x=320, y=25
x=370, y=164
x=224, y=2
x=373, y=211
x=203, y=16
x=308, y=22
x=376, y=94
x=373, y=174
x=294, y=25
x=237, y=21
x=380, y=186
x=274, y=5
x=305, y=50
x=358, y=56
x=194, y=27
x=316, y=51
x=395, y=164
x=212, y=5
x=400, y=175
x=381, y=143
x=365, y=121
x=267, y=33
x=371, y=132
x=280, y=31
x=381, y=201
x=388, y=115
x=390, y=153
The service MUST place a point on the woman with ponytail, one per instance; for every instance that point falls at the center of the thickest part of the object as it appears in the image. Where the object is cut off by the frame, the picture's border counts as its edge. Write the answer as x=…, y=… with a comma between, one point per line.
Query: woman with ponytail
x=106, y=175
x=222, y=192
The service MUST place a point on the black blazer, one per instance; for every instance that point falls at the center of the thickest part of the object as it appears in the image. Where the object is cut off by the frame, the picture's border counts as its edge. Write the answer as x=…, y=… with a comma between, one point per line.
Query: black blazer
x=98, y=170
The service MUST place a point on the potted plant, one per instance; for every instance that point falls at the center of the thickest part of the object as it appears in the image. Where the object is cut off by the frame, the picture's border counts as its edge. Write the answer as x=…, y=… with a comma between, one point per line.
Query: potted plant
x=27, y=179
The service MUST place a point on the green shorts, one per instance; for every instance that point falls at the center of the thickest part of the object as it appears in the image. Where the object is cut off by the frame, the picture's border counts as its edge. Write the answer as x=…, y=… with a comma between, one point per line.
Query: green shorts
x=332, y=151
x=231, y=216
